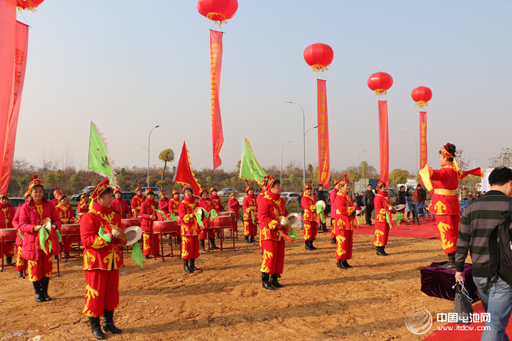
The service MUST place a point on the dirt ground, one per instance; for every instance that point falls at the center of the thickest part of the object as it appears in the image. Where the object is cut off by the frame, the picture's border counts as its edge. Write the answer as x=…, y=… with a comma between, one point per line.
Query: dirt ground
x=225, y=301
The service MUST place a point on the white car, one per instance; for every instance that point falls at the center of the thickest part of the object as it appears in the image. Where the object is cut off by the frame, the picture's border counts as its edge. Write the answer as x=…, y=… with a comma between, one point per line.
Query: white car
x=226, y=191
x=156, y=190
x=289, y=196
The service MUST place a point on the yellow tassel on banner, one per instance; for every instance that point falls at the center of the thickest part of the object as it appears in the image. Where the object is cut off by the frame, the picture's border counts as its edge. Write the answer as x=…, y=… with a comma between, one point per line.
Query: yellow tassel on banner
x=421, y=104
x=217, y=22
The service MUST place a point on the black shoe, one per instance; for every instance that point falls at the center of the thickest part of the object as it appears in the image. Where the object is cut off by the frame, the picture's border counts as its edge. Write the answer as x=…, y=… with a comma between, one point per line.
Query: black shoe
x=158, y=255
x=8, y=260
x=274, y=282
x=193, y=265
x=312, y=246
x=67, y=255
x=381, y=252
x=451, y=262
x=108, y=323
x=340, y=265
x=185, y=266
x=324, y=229
x=20, y=274
x=96, y=328
x=251, y=239
x=37, y=290
x=307, y=247
x=333, y=241
x=345, y=264
x=44, y=288
x=212, y=243
x=246, y=240
x=201, y=243
x=55, y=257
x=265, y=281
x=146, y=257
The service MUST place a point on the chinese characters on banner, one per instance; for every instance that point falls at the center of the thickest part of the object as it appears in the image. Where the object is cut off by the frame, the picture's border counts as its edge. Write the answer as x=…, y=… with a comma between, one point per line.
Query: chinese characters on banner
x=384, y=142
x=423, y=139
x=216, y=65
x=324, y=159
x=9, y=118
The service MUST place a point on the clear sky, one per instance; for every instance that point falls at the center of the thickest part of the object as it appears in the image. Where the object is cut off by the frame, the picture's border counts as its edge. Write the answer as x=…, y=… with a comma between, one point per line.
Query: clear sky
x=130, y=65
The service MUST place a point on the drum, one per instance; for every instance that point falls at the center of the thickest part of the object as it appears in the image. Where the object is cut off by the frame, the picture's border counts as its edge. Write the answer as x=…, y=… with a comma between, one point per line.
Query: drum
x=9, y=234
x=223, y=220
x=125, y=223
x=70, y=229
x=166, y=226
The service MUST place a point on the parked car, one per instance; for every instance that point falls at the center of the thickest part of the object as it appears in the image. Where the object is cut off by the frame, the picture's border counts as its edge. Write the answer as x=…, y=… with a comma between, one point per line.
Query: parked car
x=226, y=191
x=241, y=199
x=16, y=202
x=156, y=190
x=76, y=197
x=128, y=196
x=289, y=196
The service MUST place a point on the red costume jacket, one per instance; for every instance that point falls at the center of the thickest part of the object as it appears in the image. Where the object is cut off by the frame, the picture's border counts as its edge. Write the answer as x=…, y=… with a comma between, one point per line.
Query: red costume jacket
x=16, y=224
x=164, y=205
x=32, y=215
x=250, y=205
x=83, y=208
x=66, y=214
x=136, y=205
x=234, y=206
x=120, y=206
x=382, y=203
x=189, y=226
x=173, y=206
x=99, y=254
x=270, y=208
x=55, y=202
x=207, y=204
x=259, y=197
x=7, y=213
x=217, y=204
x=345, y=211
x=308, y=204
x=147, y=215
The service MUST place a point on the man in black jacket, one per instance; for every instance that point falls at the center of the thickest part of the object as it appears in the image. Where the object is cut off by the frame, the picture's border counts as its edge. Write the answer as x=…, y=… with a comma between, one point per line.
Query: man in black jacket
x=319, y=195
x=368, y=198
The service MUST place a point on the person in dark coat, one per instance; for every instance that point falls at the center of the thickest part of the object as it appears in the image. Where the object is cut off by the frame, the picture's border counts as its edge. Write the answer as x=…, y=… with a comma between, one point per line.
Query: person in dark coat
x=319, y=195
x=368, y=198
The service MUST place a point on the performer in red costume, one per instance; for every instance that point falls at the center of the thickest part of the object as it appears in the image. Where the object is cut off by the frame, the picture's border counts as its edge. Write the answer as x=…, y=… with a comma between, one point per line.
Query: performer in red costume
x=102, y=260
x=148, y=216
x=383, y=208
x=271, y=207
x=263, y=190
x=332, y=197
x=83, y=206
x=164, y=207
x=67, y=216
x=234, y=207
x=174, y=203
x=119, y=205
x=39, y=261
x=344, y=224
x=7, y=212
x=444, y=203
x=137, y=202
x=250, y=213
x=56, y=195
x=21, y=264
x=309, y=217
x=189, y=230
x=208, y=205
x=217, y=204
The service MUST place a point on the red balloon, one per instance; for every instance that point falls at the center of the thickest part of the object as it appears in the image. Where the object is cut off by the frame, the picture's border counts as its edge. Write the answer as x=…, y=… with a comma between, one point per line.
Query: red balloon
x=421, y=95
x=28, y=4
x=217, y=10
x=319, y=56
x=380, y=82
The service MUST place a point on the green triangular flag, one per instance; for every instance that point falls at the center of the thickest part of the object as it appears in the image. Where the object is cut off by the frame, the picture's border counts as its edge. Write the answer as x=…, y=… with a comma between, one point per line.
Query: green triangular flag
x=292, y=234
x=250, y=169
x=173, y=217
x=198, y=218
x=137, y=255
x=43, y=237
x=387, y=219
x=103, y=235
x=162, y=213
x=99, y=160
x=21, y=235
x=399, y=218
x=213, y=214
x=252, y=217
x=60, y=237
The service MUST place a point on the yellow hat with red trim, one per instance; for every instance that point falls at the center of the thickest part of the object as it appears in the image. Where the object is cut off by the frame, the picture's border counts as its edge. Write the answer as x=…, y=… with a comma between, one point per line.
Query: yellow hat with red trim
x=149, y=191
x=233, y=195
x=118, y=189
x=263, y=182
x=270, y=181
x=380, y=184
x=213, y=189
x=344, y=181
x=99, y=189
x=138, y=189
x=248, y=187
x=4, y=195
x=201, y=190
x=307, y=186
x=34, y=183
x=175, y=191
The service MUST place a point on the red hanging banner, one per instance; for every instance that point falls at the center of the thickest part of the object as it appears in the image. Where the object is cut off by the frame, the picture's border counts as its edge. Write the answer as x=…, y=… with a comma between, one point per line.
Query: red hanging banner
x=324, y=158
x=384, y=142
x=216, y=65
x=184, y=173
x=423, y=139
x=9, y=117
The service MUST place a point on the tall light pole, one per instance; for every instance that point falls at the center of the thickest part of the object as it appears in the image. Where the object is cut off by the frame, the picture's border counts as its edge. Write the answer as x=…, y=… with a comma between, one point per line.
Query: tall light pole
x=282, y=149
x=149, y=143
x=309, y=130
x=303, y=143
x=415, y=149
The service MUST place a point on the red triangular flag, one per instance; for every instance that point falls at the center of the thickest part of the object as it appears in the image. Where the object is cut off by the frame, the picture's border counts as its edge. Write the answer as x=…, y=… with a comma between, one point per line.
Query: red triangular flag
x=184, y=173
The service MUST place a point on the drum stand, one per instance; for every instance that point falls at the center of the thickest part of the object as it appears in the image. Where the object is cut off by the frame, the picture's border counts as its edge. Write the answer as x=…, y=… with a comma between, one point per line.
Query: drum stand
x=70, y=246
x=161, y=239
x=221, y=238
x=3, y=255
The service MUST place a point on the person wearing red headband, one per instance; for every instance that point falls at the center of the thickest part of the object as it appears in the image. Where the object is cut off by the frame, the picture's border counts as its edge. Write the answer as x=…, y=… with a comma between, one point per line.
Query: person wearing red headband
x=309, y=217
x=332, y=198
x=83, y=206
x=119, y=205
x=217, y=204
x=250, y=213
x=56, y=195
x=208, y=205
x=164, y=206
x=271, y=207
x=102, y=260
x=234, y=207
x=136, y=202
x=38, y=253
x=67, y=216
x=21, y=264
x=345, y=217
x=189, y=230
x=148, y=216
x=7, y=213
x=174, y=203
x=444, y=203
x=383, y=218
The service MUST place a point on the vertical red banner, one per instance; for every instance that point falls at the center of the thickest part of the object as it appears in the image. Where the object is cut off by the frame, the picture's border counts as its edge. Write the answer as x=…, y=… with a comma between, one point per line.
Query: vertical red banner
x=324, y=158
x=384, y=142
x=423, y=139
x=216, y=65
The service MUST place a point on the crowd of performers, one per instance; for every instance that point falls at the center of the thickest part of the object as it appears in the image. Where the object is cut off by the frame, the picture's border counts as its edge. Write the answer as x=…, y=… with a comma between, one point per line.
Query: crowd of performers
x=37, y=244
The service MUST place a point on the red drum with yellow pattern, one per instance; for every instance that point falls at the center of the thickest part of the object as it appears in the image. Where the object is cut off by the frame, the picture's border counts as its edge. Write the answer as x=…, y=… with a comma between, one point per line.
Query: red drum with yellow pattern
x=166, y=226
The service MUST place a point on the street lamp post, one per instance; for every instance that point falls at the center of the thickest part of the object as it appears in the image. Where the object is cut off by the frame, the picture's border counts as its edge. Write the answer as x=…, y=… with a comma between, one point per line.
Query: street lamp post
x=303, y=143
x=415, y=150
x=149, y=143
x=281, y=176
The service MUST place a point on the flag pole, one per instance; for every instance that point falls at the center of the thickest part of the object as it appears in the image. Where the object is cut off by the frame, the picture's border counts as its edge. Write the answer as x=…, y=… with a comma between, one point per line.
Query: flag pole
x=88, y=156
